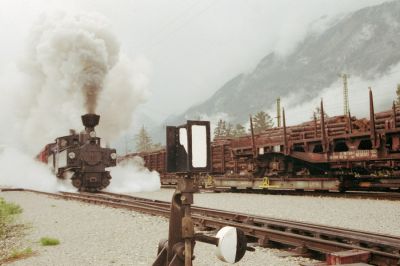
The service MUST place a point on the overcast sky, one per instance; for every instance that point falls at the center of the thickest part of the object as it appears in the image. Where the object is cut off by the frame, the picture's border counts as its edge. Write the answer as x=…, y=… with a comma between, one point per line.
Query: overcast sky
x=191, y=47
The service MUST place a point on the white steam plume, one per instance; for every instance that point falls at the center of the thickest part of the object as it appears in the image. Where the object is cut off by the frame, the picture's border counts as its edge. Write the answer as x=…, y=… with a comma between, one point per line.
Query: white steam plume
x=20, y=170
x=125, y=88
x=79, y=50
x=67, y=63
x=72, y=66
x=131, y=176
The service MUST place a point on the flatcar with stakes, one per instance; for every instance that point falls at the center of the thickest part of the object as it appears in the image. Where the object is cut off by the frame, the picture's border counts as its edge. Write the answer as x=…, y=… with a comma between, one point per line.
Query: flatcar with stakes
x=333, y=154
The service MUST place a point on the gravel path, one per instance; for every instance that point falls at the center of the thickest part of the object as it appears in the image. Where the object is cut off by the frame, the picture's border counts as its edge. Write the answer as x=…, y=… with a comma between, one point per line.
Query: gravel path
x=379, y=216
x=95, y=235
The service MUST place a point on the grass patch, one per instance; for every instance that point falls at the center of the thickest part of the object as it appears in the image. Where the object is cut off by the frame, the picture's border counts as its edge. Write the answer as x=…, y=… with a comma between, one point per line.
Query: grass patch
x=48, y=241
x=9, y=208
x=11, y=233
x=18, y=254
x=8, y=211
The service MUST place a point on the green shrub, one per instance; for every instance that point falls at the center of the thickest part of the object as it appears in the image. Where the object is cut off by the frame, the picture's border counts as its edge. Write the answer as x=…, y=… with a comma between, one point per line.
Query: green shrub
x=48, y=241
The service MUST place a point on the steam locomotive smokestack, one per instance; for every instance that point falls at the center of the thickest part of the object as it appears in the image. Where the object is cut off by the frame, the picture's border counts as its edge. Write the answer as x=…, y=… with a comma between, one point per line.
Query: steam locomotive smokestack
x=90, y=121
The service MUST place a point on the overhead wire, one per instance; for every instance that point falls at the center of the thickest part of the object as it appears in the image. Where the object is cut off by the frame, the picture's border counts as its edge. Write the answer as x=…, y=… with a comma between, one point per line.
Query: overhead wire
x=182, y=25
x=176, y=18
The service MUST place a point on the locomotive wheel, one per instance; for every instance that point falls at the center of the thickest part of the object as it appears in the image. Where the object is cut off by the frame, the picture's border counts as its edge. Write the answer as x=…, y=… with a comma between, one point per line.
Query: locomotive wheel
x=76, y=182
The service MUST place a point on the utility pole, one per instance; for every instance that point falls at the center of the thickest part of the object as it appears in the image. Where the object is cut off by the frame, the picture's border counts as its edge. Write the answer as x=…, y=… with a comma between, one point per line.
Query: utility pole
x=346, y=108
x=278, y=111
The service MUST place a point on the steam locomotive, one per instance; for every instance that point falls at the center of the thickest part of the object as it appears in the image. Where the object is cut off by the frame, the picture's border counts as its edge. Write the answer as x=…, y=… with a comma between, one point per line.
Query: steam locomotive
x=337, y=153
x=82, y=156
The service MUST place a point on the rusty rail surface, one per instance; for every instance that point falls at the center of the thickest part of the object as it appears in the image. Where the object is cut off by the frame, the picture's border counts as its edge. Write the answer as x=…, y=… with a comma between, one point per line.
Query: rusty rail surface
x=384, y=249
x=392, y=196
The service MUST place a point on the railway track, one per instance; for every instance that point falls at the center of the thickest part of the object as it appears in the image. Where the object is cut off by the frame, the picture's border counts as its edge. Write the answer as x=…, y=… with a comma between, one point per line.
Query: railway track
x=304, y=238
x=393, y=196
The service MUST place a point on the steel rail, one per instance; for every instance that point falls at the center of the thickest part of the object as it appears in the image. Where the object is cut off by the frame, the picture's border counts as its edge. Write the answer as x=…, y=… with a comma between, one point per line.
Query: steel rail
x=384, y=249
x=374, y=195
x=363, y=238
x=254, y=219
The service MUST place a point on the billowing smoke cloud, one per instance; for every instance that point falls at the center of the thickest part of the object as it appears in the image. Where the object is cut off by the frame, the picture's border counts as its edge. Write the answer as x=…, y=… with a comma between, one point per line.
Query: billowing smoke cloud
x=76, y=50
x=125, y=88
x=72, y=66
x=20, y=170
x=67, y=62
x=132, y=176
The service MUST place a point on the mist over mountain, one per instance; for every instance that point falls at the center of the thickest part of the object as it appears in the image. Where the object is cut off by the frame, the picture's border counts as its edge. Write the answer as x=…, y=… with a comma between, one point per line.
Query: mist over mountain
x=364, y=43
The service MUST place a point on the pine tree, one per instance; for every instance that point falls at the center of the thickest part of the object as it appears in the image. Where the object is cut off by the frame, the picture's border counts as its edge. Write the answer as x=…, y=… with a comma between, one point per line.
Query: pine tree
x=143, y=141
x=221, y=129
x=156, y=146
x=224, y=129
x=218, y=129
x=229, y=130
x=398, y=94
x=238, y=131
x=262, y=121
x=317, y=114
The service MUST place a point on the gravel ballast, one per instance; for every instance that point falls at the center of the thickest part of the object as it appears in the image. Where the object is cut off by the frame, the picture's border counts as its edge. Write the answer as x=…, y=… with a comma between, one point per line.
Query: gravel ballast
x=95, y=235
x=378, y=216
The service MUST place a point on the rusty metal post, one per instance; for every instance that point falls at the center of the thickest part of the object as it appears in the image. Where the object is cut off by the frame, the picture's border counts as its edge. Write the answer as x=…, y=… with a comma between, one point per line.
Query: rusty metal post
x=278, y=111
x=223, y=158
x=178, y=249
x=394, y=114
x=285, y=141
x=372, y=120
x=325, y=144
x=188, y=188
x=315, y=126
x=253, y=143
x=349, y=123
x=174, y=249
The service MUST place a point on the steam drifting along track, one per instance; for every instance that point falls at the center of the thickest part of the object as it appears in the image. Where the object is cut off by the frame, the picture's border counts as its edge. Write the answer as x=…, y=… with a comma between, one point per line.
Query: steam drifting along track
x=309, y=239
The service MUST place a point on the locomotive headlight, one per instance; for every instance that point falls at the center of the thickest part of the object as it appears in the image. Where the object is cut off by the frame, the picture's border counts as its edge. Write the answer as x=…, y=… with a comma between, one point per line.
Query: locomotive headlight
x=113, y=156
x=71, y=155
x=92, y=134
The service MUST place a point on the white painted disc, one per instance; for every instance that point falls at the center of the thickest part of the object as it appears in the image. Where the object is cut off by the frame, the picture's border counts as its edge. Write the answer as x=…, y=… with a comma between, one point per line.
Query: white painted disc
x=227, y=244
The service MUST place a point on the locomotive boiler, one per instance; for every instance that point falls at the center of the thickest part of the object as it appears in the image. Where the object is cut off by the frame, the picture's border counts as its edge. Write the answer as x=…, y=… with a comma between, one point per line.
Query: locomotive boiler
x=81, y=157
